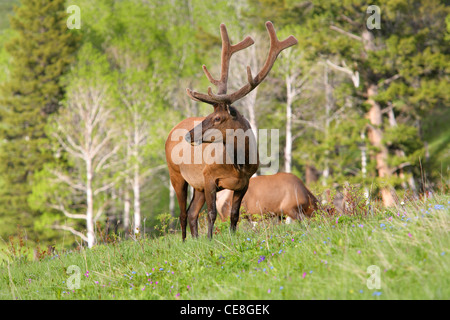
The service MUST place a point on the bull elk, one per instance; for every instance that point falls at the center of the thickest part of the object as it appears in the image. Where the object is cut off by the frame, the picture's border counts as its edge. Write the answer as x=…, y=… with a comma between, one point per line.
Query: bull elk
x=206, y=176
x=278, y=194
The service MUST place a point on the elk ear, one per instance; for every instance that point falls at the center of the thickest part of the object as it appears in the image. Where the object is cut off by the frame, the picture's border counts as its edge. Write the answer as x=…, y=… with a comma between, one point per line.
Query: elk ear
x=232, y=111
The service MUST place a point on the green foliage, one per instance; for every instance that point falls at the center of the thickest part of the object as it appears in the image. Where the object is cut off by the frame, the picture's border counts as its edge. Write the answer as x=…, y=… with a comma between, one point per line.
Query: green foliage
x=6, y=9
x=5, y=58
x=40, y=53
x=403, y=137
x=280, y=12
x=409, y=64
x=165, y=220
x=148, y=52
x=269, y=262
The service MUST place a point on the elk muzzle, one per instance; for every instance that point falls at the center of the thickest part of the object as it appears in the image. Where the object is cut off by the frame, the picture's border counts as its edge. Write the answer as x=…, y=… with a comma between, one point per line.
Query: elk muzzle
x=192, y=140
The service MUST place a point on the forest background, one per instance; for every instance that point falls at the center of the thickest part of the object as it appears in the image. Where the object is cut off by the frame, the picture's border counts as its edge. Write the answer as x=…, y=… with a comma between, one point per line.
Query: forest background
x=84, y=113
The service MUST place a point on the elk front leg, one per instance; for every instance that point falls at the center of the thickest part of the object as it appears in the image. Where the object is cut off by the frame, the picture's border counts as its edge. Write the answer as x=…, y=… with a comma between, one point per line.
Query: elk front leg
x=194, y=208
x=210, y=197
x=235, y=207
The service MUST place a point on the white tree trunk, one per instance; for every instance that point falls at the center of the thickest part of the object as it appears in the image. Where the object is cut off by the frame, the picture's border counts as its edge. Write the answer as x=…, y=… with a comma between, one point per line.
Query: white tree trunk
x=288, y=148
x=90, y=206
x=136, y=174
x=171, y=199
x=137, y=200
x=84, y=134
x=126, y=208
x=363, y=156
x=250, y=104
x=326, y=170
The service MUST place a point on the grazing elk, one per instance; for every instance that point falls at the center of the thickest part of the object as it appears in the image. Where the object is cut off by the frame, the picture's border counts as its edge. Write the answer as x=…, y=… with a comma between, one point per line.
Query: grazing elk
x=278, y=194
x=195, y=136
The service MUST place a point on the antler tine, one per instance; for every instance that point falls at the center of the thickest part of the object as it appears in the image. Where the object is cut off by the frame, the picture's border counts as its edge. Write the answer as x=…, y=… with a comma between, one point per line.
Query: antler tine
x=196, y=96
x=275, y=44
x=209, y=76
x=228, y=50
x=250, y=78
x=276, y=47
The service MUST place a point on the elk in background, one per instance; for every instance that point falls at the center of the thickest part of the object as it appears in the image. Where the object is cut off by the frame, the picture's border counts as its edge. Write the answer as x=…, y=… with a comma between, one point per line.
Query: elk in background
x=207, y=177
x=278, y=194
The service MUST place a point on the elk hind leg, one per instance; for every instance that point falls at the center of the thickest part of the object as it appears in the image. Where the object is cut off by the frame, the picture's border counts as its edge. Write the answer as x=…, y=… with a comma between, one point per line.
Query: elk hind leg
x=180, y=186
x=210, y=198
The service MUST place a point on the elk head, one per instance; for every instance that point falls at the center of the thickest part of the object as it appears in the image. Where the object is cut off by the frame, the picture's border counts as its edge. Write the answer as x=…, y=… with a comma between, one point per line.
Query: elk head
x=213, y=128
x=225, y=116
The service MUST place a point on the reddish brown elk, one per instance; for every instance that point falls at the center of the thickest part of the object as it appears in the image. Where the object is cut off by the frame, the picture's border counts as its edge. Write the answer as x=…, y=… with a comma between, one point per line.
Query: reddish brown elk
x=193, y=137
x=278, y=194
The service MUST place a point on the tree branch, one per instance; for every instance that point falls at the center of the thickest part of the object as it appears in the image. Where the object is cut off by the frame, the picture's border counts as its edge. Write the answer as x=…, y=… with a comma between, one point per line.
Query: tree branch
x=308, y=123
x=353, y=74
x=101, y=209
x=61, y=208
x=401, y=166
x=99, y=146
x=63, y=178
x=348, y=34
x=69, y=149
x=389, y=80
x=75, y=232
x=349, y=20
x=105, y=158
x=105, y=187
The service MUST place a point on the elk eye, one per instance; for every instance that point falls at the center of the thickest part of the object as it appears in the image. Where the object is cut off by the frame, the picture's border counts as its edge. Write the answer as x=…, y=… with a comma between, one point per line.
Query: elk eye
x=217, y=119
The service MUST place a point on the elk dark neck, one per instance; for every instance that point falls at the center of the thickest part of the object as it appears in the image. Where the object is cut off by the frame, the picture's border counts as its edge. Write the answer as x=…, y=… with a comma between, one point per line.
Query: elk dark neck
x=245, y=155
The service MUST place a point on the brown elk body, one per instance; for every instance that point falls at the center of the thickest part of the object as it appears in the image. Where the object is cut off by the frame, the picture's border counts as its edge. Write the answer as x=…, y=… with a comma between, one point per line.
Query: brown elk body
x=278, y=194
x=208, y=175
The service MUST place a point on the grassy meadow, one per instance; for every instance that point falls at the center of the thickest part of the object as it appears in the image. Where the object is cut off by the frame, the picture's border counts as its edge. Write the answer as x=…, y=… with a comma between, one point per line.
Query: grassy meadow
x=89, y=91
x=325, y=257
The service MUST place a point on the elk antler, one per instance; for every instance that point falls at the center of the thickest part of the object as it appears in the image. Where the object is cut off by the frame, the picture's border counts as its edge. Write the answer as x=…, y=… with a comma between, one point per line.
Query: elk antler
x=276, y=47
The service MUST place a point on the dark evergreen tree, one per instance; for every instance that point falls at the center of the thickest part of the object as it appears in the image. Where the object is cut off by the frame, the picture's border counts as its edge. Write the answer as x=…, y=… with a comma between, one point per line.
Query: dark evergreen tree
x=41, y=53
x=403, y=68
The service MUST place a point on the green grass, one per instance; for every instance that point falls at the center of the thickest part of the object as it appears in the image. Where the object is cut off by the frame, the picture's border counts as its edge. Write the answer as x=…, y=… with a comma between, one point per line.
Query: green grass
x=317, y=259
